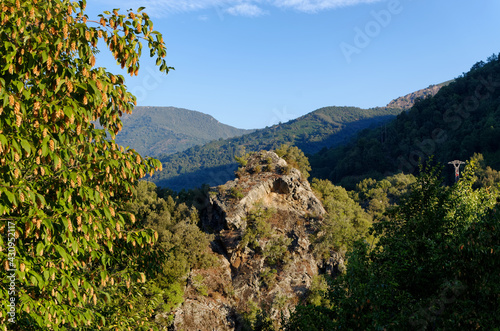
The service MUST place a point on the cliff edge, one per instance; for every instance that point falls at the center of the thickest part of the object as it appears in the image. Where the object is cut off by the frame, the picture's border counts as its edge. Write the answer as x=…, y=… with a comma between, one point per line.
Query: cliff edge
x=263, y=222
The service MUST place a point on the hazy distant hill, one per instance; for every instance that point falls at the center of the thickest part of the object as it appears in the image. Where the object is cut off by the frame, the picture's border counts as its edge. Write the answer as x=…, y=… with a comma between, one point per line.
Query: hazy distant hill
x=155, y=131
x=407, y=101
x=463, y=118
x=214, y=162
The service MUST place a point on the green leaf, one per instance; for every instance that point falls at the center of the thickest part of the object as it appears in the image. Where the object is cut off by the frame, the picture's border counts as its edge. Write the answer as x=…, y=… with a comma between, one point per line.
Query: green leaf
x=3, y=140
x=68, y=111
x=26, y=146
x=45, y=146
x=107, y=212
x=40, y=281
x=45, y=56
x=75, y=247
x=6, y=97
x=63, y=253
x=11, y=197
x=103, y=274
x=33, y=280
x=39, y=248
x=56, y=160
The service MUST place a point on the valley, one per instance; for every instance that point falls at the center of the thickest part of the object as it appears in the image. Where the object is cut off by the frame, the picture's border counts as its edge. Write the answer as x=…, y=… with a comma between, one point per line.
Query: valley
x=118, y=217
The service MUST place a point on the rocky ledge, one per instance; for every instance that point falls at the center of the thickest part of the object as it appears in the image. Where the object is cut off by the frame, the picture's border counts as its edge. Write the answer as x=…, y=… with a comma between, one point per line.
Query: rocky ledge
x=262, y=221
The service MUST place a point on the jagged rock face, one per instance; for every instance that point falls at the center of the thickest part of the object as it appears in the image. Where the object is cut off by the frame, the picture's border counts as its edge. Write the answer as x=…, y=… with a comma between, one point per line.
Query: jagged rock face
x=262, y=221
x=407, y=101
x=208, y=303
x=268, y=188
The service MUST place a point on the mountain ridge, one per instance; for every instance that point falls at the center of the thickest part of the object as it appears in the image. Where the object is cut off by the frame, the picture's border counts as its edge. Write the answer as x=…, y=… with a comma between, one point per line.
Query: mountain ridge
x=460, y=120
x=155, y=131
x=214, y=164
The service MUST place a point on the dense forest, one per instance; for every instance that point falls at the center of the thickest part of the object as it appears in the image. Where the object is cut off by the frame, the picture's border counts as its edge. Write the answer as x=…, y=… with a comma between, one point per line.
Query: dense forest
x=214, y=162
x=460, y=120
x=432, y=266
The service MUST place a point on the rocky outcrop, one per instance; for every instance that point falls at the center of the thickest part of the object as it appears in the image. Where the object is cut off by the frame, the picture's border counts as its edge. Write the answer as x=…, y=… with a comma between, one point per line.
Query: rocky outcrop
x=262, y=221
x=407, y=101
x=208, y=300
x=278, y=186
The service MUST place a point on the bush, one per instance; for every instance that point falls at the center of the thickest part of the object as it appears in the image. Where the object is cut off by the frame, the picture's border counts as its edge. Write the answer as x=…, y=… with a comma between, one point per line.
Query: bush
x=295, y=158
x=258, y=227
x=199, y=285
x=236, y=193
x=276, y=249
x=268, y=277
x=242, y=160
x=345, y=223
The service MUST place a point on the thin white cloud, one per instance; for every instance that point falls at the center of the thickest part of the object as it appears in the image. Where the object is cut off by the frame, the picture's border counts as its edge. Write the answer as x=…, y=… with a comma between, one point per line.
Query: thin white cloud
x=313, y=6
x=159, y=8
x=251, y=8
x=245, y=9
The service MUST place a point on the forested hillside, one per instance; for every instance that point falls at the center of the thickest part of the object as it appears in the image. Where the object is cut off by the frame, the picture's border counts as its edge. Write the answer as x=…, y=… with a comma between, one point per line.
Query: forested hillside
x=433, y=264
x=214, y=162
x=460, y=120
x=155, y=131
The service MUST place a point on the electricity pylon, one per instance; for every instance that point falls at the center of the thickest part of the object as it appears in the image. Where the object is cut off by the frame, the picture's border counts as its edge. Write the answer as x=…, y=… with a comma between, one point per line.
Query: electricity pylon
x=456, y=164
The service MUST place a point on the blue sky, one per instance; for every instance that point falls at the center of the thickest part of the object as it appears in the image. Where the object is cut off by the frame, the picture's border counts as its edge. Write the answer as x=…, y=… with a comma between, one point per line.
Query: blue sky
x=254, y=63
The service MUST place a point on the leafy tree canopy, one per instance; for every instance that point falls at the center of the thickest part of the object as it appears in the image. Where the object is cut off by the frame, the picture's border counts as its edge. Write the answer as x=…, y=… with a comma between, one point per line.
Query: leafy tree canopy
x=435, y=265
x=345, y=222
x=61, y=182
x=181, y=246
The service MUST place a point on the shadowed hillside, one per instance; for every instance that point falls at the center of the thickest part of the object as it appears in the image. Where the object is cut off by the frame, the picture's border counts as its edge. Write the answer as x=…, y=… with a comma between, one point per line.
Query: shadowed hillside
x=214, y=162
x=460, y=120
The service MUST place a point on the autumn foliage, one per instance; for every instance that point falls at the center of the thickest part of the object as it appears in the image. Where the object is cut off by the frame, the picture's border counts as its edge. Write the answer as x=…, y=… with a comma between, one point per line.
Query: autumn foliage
x=62, y=183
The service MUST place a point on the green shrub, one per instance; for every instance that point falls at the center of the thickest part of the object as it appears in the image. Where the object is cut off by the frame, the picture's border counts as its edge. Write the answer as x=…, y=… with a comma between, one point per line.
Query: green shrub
x=256, y=319
x=276, y=249
x=345, y=222
x=318, y=291
x=242, y=160
x=199, y=284
x=268, y=277
x=295, y=158
x=236, y=193
x=257, y=227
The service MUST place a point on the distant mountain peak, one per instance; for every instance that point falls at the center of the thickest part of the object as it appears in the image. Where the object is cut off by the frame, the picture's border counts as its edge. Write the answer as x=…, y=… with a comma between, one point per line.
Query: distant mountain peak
x=407, y=101
x=155, y=131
